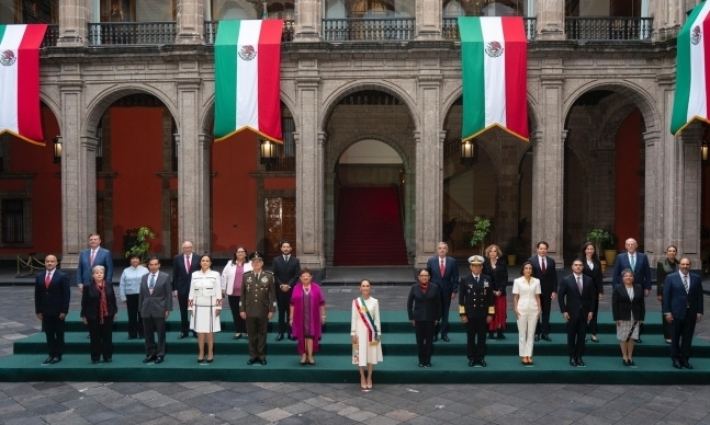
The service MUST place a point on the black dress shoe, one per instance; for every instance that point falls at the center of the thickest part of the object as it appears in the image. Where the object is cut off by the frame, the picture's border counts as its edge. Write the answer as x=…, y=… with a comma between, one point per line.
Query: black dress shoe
x=149, y=359
x=500, y=335
x=252, y=361
x=108, y=360
x=237, y=336
x=263, y=361
x=491, y=336
x=209, y=360
x=631, y=363
x=279, y=337
x=97, y=362
x=471, y=363
x=677, y=365
x=547, y=338
x=537, y=337
x=48, y=360
x=580, y=362
x=482, y=363
x=182, y=335
x=56, y=360
x=159, y=360
x=132, y=337
x=445, y=338
x=572, y=362
x=421, y=364
x=626, y=362
x=686, y=365
x=428, y=364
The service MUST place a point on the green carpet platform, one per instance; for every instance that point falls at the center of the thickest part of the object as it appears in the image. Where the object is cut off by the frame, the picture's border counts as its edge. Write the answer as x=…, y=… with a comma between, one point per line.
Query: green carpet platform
x=449, y=363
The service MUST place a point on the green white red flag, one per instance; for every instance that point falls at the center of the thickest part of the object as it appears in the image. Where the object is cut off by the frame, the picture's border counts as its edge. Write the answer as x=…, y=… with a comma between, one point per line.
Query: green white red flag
x=692, y=70
x=247, y=78
x=494, y=65
x=19, y=81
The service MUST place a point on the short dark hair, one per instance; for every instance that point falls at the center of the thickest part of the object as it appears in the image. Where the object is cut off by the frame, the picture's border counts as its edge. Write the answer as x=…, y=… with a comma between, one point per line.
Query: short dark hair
x=522, y=268
x=578, y=260
x=151, y=258
x=285, y=241
x=132, y=256
x=542, y=243
x=246, y=253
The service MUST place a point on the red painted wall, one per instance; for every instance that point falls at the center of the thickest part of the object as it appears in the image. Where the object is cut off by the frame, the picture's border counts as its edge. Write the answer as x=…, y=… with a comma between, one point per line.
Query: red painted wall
x=136, y=156
x=280, y=183
x=628, y=179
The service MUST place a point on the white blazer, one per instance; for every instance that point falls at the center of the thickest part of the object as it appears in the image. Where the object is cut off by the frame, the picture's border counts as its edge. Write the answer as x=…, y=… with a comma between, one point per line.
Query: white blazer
x=228, y=275
x=526, y=293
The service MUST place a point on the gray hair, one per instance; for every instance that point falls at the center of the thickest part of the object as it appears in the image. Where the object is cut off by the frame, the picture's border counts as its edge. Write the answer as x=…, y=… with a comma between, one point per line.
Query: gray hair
x=98, y=267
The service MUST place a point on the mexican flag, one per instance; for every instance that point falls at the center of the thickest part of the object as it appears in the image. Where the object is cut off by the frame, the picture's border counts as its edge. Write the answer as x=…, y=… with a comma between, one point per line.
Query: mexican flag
x=692, y=77
x=19, y=81
x=494, y=66
x=247, y=78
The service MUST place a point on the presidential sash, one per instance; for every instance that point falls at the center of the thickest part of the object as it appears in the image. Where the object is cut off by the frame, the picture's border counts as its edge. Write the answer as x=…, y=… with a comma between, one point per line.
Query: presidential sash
x=372, y=335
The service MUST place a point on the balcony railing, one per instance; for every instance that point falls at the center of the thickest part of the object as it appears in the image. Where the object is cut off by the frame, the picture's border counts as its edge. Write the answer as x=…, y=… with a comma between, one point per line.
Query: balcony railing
x=282, y=164
x=211, y=31
x=608, y=28
x=51, y=36
x=356, y=29
x=450, y=28
x=132, y=33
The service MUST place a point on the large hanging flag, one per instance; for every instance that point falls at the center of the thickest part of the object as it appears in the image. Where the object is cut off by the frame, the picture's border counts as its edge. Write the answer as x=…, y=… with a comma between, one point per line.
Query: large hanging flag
x=692, y=76
x=494, y=66
x=19, y=81
x=247, y=78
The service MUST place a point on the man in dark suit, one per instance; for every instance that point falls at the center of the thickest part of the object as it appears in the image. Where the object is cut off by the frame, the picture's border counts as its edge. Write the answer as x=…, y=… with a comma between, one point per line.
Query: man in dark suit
x=638, y=263
x=183, y=266
x=424, y=311
x=52, y=296
x=94, y=255
x=682, y=308
x=544, y=270
x=577, y=296
x=155, y=304
x=444, y=272
x=286, y=270
x=476, y=308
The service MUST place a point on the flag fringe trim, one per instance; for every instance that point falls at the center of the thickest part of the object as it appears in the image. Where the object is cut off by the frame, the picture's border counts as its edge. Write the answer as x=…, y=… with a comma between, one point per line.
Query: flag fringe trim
x=512, y=133
x=34, y=142
x=247, y=127
x=690, y=121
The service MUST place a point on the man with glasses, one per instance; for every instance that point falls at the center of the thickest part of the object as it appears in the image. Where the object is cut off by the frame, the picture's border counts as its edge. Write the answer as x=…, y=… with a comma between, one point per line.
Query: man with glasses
x=424, y=310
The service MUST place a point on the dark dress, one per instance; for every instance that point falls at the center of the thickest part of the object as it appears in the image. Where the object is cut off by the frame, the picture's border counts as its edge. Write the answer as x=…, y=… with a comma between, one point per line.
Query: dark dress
x=597, y=279
x=100, y=328
x=500, y=281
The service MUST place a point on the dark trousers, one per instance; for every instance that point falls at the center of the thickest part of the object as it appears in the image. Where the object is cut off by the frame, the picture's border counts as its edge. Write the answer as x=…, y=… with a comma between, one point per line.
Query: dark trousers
x=135, y=324
x=152, y=325
x=666, y=327
x=543, y=323
x=184, y=321
x=54, y=331
x=240, y=325
x=593, y=326
x=101, y=336
x=682, y=336
x=256, y=330
x=576, y=333
x=443, y=325
x=476, y=329
x=424, y=331
x=283, y=301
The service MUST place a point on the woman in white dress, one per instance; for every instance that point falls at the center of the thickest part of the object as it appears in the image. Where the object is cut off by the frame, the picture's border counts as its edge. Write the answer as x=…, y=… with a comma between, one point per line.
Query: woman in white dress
x=205, y=303
x=527, y=307
x=365, y=332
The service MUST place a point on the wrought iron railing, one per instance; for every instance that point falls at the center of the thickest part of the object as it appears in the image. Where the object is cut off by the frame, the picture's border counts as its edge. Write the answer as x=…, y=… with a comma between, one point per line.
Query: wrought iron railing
x=357, y=29
x=51, y=36
x=450, y=28
x=608, y=28
x=211, y=31
x=132, y=33
x=282, y=164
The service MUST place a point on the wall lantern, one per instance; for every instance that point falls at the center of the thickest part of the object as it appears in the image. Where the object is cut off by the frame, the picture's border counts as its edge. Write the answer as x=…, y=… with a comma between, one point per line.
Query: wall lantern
x=704, y=150
x=468, y=153
x=268, y=151
x=57, y=150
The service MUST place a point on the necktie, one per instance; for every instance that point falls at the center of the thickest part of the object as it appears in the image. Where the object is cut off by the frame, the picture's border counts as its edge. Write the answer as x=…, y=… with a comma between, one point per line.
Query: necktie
x=152, y=283
x=286, y=257
x=91, y=260
x=579, y=283
x=47, y=279
x=476, y=278
x=187, y=263
x=543, y=266
x=442, y=267
x=685, y=283
x=632, y=261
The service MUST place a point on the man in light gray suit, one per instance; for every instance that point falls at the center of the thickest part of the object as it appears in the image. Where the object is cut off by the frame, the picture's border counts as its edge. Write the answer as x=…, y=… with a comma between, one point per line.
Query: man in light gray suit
x=155, y=302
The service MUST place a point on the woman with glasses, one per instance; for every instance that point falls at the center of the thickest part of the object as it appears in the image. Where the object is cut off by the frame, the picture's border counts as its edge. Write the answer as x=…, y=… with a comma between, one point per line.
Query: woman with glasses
x=232, y=287
x=424, y=310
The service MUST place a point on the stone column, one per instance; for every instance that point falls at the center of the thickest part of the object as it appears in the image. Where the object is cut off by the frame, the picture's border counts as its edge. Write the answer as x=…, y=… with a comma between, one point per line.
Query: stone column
x=307, y=20
x=550, y=23
x=309, y=175
x=548, y=170
x=190, y=22
x=669, y=16
x=655, y=236
x=507, y=199
x=686, y=199
x=428, y=19
x=429, y=178
x=74, y=16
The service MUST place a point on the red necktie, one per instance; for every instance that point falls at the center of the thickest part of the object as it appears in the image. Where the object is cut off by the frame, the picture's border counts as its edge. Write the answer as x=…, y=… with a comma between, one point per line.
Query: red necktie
x=544, y=265
x=93, y=255
x=47, y=279
x=187, y=263
x=442, y=268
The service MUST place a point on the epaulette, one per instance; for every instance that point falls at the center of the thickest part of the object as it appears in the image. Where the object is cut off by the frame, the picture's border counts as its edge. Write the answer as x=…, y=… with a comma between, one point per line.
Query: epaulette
x=268, y=272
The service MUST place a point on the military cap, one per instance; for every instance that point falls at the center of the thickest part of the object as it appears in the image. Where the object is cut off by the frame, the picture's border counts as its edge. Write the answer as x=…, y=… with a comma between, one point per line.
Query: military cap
x=475, y=260
x=256, y=255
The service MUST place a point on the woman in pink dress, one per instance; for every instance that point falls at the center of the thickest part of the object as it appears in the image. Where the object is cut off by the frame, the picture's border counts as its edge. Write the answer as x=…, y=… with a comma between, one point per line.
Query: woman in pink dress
x=307, y=316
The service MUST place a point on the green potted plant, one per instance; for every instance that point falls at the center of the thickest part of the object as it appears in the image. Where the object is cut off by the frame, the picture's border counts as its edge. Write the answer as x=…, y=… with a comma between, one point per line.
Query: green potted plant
x=481, y=228
x=609, y=248
x=136, y=241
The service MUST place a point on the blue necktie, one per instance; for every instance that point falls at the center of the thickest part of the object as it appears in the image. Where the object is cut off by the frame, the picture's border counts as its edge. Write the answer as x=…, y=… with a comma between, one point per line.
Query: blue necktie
x=152, y=282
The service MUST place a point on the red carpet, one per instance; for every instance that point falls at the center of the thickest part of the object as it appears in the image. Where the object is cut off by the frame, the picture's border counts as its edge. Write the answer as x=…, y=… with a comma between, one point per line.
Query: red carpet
x=369, y=229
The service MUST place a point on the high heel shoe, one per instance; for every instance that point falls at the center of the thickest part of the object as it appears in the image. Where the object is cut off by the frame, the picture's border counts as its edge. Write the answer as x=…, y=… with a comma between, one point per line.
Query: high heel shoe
x=200, y=360
x=210, y=360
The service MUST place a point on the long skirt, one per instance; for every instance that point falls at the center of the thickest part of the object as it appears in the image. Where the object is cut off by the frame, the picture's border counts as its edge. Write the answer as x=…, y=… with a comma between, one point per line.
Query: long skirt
x=501, y=315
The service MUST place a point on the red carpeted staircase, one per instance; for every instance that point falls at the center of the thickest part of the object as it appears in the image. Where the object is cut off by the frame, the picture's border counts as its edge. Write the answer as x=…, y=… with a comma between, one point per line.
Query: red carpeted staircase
x=369, y=229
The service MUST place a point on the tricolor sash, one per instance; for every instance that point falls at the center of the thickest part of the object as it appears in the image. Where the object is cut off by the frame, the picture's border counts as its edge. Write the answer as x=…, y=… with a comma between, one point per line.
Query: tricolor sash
x=367, y=320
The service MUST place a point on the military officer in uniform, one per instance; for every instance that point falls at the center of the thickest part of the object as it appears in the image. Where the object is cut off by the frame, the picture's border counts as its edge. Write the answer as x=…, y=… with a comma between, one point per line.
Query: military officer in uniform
x=257, y=306
x=477, y=308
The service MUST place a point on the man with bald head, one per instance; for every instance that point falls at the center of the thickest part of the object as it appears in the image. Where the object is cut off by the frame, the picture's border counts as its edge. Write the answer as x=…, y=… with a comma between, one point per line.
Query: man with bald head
x=638, y=263
x=183, y=266
x=52, y=296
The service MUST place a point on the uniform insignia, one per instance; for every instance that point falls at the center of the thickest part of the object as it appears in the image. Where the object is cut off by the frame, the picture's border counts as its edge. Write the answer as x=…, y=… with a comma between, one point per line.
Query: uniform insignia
x=249, y=279
x=265, y=279
x=363, y=309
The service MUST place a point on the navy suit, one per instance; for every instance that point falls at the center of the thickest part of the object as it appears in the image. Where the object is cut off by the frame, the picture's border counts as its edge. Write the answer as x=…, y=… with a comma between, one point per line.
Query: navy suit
x=103, y=258
x=642, y=270
x=685, y=308
x=448, y=285
x=578, y=306
x=182, y=279
x=424, y=309
x=285, y=273
x=51, y=302
x=548, y=285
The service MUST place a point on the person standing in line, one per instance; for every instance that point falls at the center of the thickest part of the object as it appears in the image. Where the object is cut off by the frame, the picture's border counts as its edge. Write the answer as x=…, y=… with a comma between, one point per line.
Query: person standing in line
x=285, y=269
x=444, y=272
x=365, y=332
x=577, y=297
x=667, y=266
x=155, y=300
x=52, y=295
x=544, y=270
x=307, y=316
x=593, y=269
x=476, y=308
x=495, y=267
x=638, y=263
x=205, y=303
x=628, y=310
x=184, y=265
x=682, y=308
x=527, y=307
x=257, y=306
x=232, y=279
x=94, y=255
x=129, y=287
x=98, y=312
x=424, y=310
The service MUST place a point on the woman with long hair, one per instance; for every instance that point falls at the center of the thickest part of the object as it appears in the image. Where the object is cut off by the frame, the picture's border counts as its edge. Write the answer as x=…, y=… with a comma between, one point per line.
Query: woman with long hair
x=365, y=333
x=593, y=269
x=232, y=287
x=205, y=302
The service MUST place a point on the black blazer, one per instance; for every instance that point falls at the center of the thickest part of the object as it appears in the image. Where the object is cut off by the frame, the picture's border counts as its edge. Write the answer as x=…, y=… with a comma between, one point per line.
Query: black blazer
x=596, y=275
x=285, y=273
x=424, y=307
x=548, y=280
x=53, y=300
x=571, y=301
x=622, y=306
x=499, y=274
x=90, y=301
x=183, y=278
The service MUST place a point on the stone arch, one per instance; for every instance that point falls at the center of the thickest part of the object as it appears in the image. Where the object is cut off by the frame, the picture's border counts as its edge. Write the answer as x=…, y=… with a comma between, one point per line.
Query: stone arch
x=99, y=105
x=406, y=161
x=208, y=111
x=610, y=126
x=380, y=85
x=53, y=106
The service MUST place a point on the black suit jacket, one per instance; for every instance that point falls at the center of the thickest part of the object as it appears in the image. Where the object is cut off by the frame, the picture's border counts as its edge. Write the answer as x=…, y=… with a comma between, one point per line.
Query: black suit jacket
x=499, y=274
x=90, y=301
x=285, y=273
x=424, y=307
x=476, y=300
x=183, y=278
x=571, y=301
x=596, y=275
x=622, y=306
x=161, y=300
x=679, y=303
x=53, y=300
x=548, y=280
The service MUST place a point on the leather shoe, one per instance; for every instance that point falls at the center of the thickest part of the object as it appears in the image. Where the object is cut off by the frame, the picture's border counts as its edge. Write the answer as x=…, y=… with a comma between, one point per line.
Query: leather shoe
x=108, y=360
x=686, y=365
x=445, y=338
x=182, y=335
x=537, y=338
x=56, y=360
x=159, y=360
x=572, y=362
x=482, y=363
x=631, y=363
x=471, y=363
x=279, y=337
x=547, y=338
x=149, y=359
x=677, y=365
x=48, y=360
x=263, y=362
x=421, y=364
x=428, y=364
x=252, y=361
x=237, y=336
x=580, y=362
x=626, y=362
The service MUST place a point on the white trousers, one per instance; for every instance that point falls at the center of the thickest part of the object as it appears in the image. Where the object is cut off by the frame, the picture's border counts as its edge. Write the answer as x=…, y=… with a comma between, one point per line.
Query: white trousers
x=526, y=332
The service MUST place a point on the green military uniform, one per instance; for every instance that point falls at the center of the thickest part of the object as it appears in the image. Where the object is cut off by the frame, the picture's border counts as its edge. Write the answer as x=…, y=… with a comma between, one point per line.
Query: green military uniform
x=258, y=300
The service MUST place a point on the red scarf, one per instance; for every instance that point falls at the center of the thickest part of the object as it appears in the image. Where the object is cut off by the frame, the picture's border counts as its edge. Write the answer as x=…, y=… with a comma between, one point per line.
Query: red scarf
x=424, y=288
x=103, y=303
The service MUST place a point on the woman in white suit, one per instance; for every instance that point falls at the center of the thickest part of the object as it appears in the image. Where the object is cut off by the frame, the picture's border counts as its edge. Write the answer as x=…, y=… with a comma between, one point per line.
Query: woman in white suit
x=526, y=303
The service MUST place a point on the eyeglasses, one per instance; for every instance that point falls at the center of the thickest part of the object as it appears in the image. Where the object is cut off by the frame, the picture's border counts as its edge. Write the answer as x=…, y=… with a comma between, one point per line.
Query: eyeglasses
x=423, y=275
x=241, y=252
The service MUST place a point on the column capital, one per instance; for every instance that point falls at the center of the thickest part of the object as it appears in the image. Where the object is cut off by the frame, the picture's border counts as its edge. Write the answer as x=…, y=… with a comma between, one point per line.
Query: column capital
x=308, y=82
x=89, y=142
x=428, y=20
x=307, y=20
x=190, y=22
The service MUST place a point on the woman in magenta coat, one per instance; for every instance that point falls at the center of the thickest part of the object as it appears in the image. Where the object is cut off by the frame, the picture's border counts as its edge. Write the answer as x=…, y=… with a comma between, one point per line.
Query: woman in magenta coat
x=307, y=316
